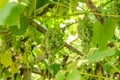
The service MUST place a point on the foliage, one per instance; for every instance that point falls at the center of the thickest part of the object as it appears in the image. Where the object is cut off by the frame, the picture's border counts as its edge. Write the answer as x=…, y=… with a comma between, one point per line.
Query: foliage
x=59, y=40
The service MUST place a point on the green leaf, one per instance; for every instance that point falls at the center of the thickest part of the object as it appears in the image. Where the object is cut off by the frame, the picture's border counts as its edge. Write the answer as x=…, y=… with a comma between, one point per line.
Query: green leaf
x=6, y=59
x=41, y=3
x=63, y=8
x=2, y=3
x=97, y=29
x=21, y=29
x=98, y=35
x=24, y=23
x=14, y=69
x=83, y=1
x=103, y=33
x=72, y=65
x=39, y=53
x=19, y=77
x=109, y=28
x=74, y=3
x=9, y=15
x=99, y=54
x=107, y=67
x=54, y=68
x=73, y=75
x=60, y=75
x=37, y=35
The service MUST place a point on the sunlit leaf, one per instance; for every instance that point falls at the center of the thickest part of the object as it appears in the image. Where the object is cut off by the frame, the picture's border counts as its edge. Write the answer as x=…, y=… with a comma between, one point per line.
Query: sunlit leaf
x=60, y=75
x=2, y=3
x=82, y=1
x=102, y=33
x=14, y=69
x=109, y=28
x=72, y=65
x=73, y=75
x=74, y=3
x=9, y=15
x=39, y=53
x=97, y=29
x=99, y=54
x=6, y=58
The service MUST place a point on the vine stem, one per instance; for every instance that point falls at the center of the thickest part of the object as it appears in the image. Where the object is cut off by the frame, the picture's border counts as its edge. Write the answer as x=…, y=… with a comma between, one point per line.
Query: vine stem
x=44, y=30
x=87, y=74
x=93, y=8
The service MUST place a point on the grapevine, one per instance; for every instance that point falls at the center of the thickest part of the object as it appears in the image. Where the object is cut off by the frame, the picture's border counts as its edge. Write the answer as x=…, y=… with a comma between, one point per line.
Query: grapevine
x=53, y=40
x=84, y=29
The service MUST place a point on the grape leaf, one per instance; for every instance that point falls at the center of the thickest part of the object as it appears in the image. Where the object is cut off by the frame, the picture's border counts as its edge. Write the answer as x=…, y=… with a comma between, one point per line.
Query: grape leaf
x=9, y=15
x=83, y=1
x=39, y=53
x=14, y=69
x=18, y=77
x=41, y=3
x=73, y=65
x=63, y=8
x=73, y=75
x=2, y=3
x=98, y=35
x=54, y=68
x=99, y=54
x=109, y=28
x=97, y=29
x=21, y=29
x=6, y=59
x=74, y=3
x=108, y=68
x=60, y=75
x=102, y=33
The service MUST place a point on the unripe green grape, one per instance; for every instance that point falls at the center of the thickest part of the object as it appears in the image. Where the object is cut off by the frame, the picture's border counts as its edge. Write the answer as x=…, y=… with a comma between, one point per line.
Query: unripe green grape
x=84, y=29
x=53, y=40
x=115, y=10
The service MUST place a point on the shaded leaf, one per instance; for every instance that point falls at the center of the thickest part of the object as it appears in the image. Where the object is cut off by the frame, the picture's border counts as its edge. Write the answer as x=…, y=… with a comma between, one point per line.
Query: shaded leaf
x=108, y=68
x=54, y=68
x=21, y=29
x=19, y=77
x=62, y=8
x=41, y=3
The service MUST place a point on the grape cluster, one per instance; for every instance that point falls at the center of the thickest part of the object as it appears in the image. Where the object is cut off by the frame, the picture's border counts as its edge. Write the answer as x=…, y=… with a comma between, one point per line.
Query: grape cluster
x=84, y=29
x=53, y=40
x=117, y=6
x=116, y=10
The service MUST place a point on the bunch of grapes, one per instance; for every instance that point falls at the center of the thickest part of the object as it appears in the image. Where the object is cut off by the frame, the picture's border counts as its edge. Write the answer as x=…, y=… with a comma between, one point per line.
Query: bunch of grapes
x=116, y=10
x=53, y=40
x=84, y=29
